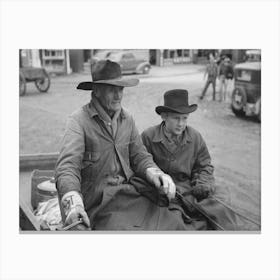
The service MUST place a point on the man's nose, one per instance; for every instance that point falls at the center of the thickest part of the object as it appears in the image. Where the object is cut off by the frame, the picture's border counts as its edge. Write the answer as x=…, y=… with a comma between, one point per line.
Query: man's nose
x=118, y=93
x=180, y=122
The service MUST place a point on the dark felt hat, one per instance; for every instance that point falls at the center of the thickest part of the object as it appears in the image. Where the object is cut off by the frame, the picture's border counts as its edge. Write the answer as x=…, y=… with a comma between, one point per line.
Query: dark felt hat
x=107, y=72
x=176, y=101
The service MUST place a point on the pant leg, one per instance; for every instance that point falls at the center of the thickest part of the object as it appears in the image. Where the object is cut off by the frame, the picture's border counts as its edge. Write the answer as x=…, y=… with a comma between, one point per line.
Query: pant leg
x=225, y=93
x=220, y=87
x=205, y=87
x=214, y=88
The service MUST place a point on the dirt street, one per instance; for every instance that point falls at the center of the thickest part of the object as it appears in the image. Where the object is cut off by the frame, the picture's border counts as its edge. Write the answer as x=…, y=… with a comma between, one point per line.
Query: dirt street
x=234, y=144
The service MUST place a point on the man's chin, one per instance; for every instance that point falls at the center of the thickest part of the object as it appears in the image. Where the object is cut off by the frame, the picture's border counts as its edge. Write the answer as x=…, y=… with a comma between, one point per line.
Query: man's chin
x=178, y=131
x=115, y=107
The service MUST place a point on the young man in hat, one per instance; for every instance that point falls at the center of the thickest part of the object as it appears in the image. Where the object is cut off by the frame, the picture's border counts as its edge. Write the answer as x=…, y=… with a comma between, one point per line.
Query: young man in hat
x=104, y=175
x=180, y=151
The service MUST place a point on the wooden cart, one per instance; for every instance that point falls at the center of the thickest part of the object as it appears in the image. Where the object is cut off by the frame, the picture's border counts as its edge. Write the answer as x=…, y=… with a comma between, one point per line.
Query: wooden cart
x=37, y=75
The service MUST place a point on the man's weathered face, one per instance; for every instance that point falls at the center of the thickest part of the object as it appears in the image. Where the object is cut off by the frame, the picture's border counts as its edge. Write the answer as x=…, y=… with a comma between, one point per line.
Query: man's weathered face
x=110, y=97
x=175, y=123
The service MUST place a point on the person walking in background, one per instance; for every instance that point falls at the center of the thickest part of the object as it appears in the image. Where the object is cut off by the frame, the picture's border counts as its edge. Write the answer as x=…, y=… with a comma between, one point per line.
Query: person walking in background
x=225, y=73
x=211, y=71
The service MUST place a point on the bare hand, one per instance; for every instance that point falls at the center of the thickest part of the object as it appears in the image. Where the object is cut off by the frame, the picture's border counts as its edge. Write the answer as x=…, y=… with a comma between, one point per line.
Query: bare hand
x=161, y=181
x=168, y=186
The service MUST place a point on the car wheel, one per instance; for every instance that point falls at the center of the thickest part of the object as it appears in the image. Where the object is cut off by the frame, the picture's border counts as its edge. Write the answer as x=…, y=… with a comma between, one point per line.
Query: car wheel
x=146, y=70
x=43, y=84
x=238, y=101
x=22, y=85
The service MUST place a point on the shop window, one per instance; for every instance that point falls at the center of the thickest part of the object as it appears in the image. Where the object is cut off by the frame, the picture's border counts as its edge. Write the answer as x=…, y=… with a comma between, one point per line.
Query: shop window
x=172, y=54
x=186, y=53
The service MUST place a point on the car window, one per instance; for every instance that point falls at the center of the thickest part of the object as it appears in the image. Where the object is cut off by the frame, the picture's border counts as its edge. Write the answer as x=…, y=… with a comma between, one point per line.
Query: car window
x=114, y=56
x=128, y=56
x=102, y=54
x=244, y=75
x=249, y=76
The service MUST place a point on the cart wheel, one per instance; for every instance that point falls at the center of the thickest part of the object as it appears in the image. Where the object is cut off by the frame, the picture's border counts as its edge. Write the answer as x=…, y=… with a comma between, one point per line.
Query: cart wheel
x=22, y=85
x=43, y=84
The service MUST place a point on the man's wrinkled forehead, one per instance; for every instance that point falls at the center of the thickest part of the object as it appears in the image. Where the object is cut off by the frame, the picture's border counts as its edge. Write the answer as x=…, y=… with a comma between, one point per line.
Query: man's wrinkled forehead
x=107, y=87
x=174, y=115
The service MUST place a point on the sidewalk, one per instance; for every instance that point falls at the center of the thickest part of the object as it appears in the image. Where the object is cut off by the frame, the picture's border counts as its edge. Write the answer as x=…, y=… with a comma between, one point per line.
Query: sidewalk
x=155, y=72
x=165, y=71
x=176, y=70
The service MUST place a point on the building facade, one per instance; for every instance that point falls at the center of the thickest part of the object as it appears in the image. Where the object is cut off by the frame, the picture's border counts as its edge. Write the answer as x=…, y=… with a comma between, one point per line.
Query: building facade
x=66, y=61
x=53, y=60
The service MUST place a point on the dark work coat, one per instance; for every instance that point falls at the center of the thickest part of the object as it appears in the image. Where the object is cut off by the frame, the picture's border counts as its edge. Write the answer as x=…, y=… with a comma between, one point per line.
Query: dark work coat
x=190, y=165
x=101, y=167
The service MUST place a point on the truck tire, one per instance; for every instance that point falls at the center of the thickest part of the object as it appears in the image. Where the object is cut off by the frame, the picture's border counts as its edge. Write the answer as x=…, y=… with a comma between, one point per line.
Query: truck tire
x=238, y=101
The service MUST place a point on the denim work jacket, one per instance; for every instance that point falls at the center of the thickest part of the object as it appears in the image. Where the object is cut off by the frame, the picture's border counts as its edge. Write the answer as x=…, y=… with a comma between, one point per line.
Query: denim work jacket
x=91, y=158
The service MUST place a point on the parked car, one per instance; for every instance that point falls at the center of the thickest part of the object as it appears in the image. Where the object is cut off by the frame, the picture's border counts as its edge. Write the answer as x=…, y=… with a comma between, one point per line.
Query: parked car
x=104, y=54
x=246, y=96
x=130, y=63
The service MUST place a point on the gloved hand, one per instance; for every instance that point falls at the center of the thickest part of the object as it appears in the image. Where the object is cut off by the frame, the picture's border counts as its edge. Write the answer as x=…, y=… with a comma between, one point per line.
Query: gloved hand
x=200, y=192
x=73, y=208
x=161, y=181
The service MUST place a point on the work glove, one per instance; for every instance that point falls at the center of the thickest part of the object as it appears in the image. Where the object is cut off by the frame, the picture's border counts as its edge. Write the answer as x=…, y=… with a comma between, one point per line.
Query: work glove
x=200, y=192
x=161, y=181
x=74, y=211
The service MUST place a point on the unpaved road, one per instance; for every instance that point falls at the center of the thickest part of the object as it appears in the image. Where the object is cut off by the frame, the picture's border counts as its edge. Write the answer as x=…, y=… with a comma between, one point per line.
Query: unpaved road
x=234, y=144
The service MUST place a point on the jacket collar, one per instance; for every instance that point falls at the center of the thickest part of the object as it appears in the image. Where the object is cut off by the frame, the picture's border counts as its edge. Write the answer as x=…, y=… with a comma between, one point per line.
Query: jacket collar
x=159, y=135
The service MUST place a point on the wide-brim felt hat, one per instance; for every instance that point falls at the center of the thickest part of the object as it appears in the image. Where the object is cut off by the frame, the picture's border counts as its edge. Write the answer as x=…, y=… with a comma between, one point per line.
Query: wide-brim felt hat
x=176, y=101
x=107, y=72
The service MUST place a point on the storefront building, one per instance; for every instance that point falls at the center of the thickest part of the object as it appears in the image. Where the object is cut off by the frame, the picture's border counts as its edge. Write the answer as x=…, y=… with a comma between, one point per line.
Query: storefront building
x=53, y=60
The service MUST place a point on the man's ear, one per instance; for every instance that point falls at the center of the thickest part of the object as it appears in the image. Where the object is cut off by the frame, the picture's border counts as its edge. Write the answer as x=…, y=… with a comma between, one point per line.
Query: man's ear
x=97, y=92
x=164, y=116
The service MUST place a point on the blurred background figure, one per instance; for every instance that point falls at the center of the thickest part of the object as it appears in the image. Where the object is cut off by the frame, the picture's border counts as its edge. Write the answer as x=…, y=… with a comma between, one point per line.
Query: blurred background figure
x=211, y=71
x=225, y=74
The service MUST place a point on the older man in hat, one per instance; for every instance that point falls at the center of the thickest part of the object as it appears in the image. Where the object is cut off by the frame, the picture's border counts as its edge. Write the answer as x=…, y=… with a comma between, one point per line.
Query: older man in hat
x=181, y=151
x=106, y=179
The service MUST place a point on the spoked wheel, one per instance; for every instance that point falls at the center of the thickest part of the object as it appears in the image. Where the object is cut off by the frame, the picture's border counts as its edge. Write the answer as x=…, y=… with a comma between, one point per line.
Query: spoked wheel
x=44, y=83
x=238, y=101
x=22, y=85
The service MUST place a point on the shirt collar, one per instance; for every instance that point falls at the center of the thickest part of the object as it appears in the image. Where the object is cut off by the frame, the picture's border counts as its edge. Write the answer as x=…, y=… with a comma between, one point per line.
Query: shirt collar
x=159, y=135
